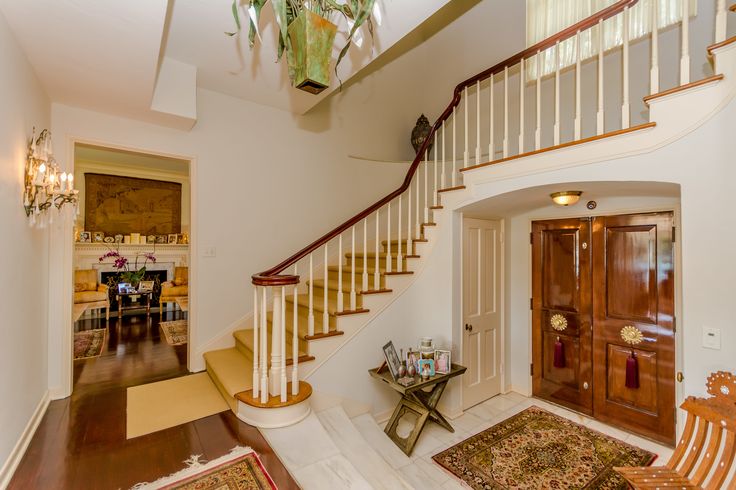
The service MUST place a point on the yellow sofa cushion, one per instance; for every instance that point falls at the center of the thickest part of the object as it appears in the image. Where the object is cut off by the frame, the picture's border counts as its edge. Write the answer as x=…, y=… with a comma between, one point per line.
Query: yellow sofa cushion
x=89, y=296
x=171, y=291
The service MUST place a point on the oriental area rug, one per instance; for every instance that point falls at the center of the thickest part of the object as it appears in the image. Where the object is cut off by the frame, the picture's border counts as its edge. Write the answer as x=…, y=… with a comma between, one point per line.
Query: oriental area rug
x=176, y=332
x=240, y=470
x=89, y=343
x=536, y=449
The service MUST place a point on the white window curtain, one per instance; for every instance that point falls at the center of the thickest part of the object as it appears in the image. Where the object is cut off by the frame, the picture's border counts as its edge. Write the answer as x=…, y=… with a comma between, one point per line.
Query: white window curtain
x=544, y=18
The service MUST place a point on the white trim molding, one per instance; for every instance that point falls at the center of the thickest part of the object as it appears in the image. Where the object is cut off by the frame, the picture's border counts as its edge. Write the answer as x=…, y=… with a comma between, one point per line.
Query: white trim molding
x=16, y=455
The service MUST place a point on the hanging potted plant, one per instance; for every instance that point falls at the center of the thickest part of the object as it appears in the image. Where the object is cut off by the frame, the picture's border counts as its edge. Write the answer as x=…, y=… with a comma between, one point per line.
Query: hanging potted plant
x=307, y=34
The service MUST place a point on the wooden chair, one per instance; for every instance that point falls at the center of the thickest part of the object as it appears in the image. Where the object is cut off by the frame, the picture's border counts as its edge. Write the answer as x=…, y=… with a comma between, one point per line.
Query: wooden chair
x=705, y=452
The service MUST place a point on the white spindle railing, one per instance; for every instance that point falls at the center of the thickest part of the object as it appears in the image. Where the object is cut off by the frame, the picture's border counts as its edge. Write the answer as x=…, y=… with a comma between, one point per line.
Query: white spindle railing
x=465, y=153
x=325, y=312
x=600, y=114
x=365, y=255
x=442, y=172
x=282, y=361
x=295, y=340
x=721, y=21
x=578, y=124
x=274, y=374
x=256, y=341
x=399, y=248
x=522, y=81
x=409, y=241
x=310, y=313
x=377, y=258
x=654, y=62
x=340, y=260
x=434, y=180
x=353, y=295
x=477, y=124
x=426, y=181
x=264, y=349
x=625, y=105
x=388, y=232
x=538, y=130
x=454, y=149
x=491, y=146
x=685, y=51
x=506, y=112
x=556, y=130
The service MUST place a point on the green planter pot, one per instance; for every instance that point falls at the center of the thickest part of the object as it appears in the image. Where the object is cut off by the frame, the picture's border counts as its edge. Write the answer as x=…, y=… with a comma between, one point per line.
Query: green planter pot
x=311, y=37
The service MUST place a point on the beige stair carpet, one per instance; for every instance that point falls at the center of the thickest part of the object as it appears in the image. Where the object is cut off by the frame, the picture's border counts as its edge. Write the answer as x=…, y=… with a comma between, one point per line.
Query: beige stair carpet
x=157, y=406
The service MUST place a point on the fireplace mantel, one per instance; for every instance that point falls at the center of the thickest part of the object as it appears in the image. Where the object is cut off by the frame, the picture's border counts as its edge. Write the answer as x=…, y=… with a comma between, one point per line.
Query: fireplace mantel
x=87, y=256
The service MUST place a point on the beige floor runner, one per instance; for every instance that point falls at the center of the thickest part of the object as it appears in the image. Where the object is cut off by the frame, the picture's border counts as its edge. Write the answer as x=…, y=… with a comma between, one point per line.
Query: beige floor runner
x=158, y=406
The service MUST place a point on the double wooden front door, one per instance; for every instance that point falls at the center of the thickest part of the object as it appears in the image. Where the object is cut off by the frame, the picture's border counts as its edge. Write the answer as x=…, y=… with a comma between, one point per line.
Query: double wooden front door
x=591, y=277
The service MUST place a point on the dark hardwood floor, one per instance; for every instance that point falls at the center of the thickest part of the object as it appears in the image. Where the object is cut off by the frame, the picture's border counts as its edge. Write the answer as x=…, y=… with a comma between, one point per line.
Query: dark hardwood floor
x=81, y=443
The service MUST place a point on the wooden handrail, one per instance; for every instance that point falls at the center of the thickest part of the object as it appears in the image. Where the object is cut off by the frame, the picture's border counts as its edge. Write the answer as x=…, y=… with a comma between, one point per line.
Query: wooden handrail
x=271, y=276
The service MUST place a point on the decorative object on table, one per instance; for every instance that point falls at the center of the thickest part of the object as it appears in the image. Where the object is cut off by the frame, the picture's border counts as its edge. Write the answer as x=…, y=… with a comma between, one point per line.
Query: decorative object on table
x=426, y=348
x=420, y=133
x=306, y=34
x=411, y=369
x=146, y=285
x=442, y=361
x=98, y=237
x=89, y=343
x=412, y=358
x=151, y=239
x=632, y=336
x=426, y=367
x=392, y=359
x=109, y=240
x=184, y=239
x=124, y=287
x=417, y=401
x=118, y=238
x=151, y=206
x=241, y=469
x=85, y=237
x=161, y=239
x=45, y=185
x=538, y=449
x=402, y=364
x=172, y=239
x=127, y=273
x=126, y=240
x=176, y=332
x=406, y=380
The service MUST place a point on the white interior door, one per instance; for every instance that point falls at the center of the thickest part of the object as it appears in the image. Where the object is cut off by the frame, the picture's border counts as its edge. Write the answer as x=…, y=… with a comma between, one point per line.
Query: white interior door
x=482, y=309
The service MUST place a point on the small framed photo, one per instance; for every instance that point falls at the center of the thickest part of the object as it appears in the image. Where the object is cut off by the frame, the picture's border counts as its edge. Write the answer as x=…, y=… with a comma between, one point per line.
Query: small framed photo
x=151, y=239
x=427, y=355
x=118, y=238
x=442, y=361
x=85, y=237
x=98, y=237
x=392, y=359
x=426, y=366
x=145, y=286
x=412, y=357
x=161, y=239
x=173, y=239
x=123, y=287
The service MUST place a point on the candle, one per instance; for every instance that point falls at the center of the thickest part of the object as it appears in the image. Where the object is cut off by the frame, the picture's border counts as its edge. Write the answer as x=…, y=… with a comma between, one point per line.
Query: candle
x=70, y=181
x=62, y=184
x=40, y=174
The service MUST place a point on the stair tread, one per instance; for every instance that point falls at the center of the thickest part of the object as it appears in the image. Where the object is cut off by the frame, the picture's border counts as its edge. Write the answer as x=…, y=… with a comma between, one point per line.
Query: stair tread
x=232, y=368
x=359, y=270
x=245, y=337
x=332, y=285
x=318, y=305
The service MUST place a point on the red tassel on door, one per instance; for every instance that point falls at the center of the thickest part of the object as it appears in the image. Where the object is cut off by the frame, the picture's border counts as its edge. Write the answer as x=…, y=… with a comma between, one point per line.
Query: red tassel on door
x=559, y=359
x=632, y=371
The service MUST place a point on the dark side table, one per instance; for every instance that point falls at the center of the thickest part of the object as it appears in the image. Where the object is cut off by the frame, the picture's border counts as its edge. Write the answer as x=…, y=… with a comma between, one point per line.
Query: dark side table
x=421, y=403
x=119, y=298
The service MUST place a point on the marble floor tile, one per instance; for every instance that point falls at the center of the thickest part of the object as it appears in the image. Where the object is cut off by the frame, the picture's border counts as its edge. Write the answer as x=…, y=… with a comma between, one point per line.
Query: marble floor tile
x=500, y=402
x=484, y=411
x=380, y=442
x=335, y=472
x=314, y=443
x=415, y=476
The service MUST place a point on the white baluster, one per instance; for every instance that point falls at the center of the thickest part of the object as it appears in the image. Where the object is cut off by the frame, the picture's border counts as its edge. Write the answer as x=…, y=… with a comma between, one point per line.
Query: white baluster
x=522, y=66
x=340, y=260
x=538, y=130
x=506, y=111
x=685, y=56
x=353, y=295
x=325, y=313
x=557, y=95
x=388, y=228
x=282, y=371
x=654, y=69
x=398, y=252
x=491, y=150
x=409, y=217
x=295, y=341
x=426, y=182
x=310, y=317
x=578, y=121
x=274, y=374
x=442, y=173
x=625, y=106
x=376, y=261
x=256, y=341
x=416, y=211
x=721, y=21
x=365, y=255
x=434, y=180
x=465, y=155
x=264, y=348
x=600, y=115
x=477, y=122
x=454, y=150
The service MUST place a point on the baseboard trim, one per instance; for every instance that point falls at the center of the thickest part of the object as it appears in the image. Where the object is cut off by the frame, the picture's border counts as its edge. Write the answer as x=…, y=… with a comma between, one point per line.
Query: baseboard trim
x=16, y=455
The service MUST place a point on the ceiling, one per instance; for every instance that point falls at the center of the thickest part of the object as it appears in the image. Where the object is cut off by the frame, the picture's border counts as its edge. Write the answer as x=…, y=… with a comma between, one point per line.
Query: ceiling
x=108, y=55
x=129, y=159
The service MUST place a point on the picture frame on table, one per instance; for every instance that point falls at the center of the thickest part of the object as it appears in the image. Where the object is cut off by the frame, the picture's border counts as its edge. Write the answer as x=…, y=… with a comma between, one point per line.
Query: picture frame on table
x=145, y=286
x=119, y=238
x=151, y=239
x=161, y=239
x=85, y=237
x=426, y=362
x=123, y=287
x=442, y=361
x=98, y=237
x=392, y=359
x=412, y=357
x=172, y=239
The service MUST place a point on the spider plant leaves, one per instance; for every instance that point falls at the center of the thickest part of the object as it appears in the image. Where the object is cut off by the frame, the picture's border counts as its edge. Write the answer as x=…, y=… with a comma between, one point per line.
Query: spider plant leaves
x=255, y=15
x=236, y=17
x=362, y=9
x=282, y=20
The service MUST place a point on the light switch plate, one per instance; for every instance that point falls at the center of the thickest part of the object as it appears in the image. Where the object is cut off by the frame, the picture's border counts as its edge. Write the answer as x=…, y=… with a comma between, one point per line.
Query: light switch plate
x=712, y=338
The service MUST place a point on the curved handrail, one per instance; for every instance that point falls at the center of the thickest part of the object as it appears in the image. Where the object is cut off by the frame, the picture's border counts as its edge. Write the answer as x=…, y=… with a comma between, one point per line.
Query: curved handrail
x=271, y=276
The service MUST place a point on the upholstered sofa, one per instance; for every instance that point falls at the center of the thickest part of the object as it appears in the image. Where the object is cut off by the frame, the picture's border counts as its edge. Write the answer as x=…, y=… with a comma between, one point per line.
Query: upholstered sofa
x=89, y=293
x=176, y=288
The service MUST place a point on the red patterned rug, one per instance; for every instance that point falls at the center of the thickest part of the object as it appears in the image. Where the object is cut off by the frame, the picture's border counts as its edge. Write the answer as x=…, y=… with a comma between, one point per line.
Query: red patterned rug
x=536, y=449
x=240, y=470
x=89, y=343
x=176, y=332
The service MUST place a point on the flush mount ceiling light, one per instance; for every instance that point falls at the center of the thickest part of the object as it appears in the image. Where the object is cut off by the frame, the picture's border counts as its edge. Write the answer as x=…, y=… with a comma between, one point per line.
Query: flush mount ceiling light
x=566, y=198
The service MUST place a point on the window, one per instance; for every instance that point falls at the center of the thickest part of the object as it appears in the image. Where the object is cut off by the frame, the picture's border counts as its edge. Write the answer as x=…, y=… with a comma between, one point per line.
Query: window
x=544, y=18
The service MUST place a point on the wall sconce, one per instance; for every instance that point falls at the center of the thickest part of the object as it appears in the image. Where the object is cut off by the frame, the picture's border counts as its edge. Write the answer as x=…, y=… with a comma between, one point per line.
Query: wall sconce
x=566, y=198
x=45, y=185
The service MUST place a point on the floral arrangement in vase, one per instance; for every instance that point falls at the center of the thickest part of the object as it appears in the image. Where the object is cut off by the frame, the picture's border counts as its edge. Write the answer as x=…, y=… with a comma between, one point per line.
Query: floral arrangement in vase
x=130, y=274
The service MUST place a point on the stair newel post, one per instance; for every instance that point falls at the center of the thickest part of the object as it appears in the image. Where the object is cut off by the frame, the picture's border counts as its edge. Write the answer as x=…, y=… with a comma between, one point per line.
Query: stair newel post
x=310, y=314
x=377, y=258
x=685, y=56
x=625, y=107
x=325, y=312
x=365, y=255
x=654, y=69
x=426, y=184
x=491, y=144
x=600, y=115
x=557, y=94
x=388, y=230
x=274, y=373
x=477, y=123
x=505, y=111
x=282, y=370
x=264, y=347
x=522, y=66
x=721, y=21
x=353, y=295
x=442, y=172
x=256, y=341
x=454, y=149
x=434, y=179
x=340, y=260
x=578, y=72
x=466, y=154
x=295, y=339
x=538, y=130
x=400, y=247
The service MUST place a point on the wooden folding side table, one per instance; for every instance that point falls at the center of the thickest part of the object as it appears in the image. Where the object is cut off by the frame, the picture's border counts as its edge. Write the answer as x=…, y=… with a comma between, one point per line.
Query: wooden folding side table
x=423, y=404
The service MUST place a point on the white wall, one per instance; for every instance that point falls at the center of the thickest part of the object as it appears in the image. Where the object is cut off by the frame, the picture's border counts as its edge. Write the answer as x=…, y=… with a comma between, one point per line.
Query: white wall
x=23, y=253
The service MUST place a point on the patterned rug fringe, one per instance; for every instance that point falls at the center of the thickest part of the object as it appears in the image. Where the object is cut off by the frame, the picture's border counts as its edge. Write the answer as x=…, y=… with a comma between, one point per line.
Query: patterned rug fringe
x=195, y=465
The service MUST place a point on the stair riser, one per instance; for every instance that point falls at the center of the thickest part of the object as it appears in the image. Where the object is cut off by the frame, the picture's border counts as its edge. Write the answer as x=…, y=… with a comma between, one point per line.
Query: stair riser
x=319, y=294
x=358, y=278
x=395, y=248
x=246, y=348
x=381, y=261
x=303, y=318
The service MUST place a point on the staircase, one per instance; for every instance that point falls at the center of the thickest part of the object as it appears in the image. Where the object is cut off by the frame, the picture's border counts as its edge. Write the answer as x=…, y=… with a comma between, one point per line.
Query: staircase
x=311, y=304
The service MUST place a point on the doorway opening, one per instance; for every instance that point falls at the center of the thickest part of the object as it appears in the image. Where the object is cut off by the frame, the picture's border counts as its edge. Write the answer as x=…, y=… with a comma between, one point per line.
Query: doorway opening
x=131, y=261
